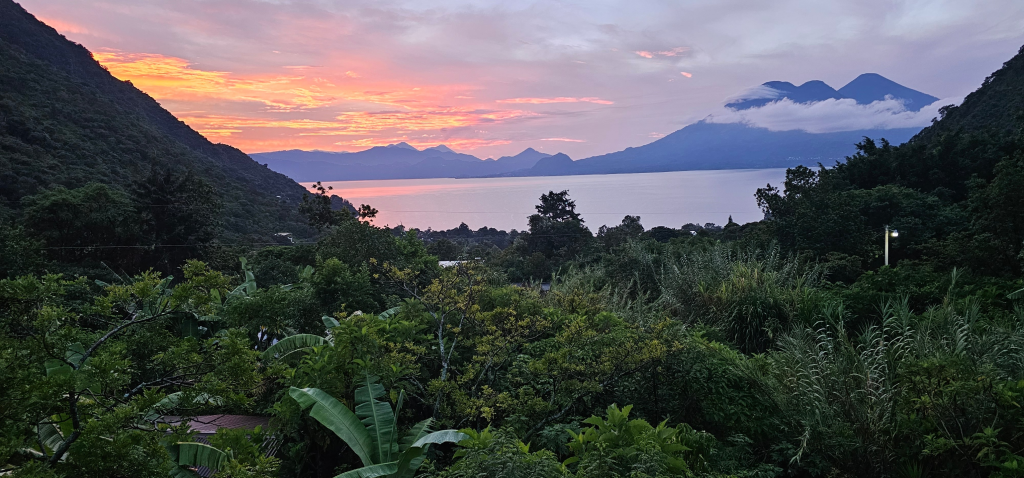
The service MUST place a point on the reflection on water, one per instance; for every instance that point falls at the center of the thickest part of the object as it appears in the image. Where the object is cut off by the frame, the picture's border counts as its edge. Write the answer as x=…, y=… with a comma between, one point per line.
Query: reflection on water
x=660, y=199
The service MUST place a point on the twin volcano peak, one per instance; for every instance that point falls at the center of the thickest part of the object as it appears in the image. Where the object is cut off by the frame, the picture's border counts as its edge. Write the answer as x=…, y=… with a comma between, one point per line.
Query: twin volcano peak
x=865, y=89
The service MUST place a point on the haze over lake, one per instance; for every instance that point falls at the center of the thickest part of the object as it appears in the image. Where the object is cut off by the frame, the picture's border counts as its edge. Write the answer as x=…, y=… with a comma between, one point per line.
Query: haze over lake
x=660, y=199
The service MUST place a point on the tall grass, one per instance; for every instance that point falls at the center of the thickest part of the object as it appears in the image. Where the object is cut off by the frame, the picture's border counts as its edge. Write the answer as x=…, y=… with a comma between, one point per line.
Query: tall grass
x=864, y=398
x=753, y=296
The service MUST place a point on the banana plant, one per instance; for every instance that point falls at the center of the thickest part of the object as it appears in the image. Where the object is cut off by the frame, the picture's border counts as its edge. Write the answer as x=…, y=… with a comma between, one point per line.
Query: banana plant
x=372, y=430
x=187, y=456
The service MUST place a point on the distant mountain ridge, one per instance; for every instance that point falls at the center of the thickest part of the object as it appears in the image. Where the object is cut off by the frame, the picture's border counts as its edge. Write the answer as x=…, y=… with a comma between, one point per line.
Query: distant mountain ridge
x=700, y=146
x=394, y=161
x=865, y=89
x=705, y=146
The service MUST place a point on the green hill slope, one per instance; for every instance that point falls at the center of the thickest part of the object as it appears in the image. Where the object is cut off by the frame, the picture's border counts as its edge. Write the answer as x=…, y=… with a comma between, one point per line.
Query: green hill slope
x=955, y=191
x=997, y=108
x=64, y=120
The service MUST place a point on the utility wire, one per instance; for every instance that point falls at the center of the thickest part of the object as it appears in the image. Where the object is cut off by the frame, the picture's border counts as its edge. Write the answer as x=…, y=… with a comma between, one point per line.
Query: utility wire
x=151, y=246
x=432, y=211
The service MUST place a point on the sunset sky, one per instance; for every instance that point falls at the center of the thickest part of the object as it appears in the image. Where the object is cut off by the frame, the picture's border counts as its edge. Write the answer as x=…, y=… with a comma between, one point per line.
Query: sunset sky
x=492, y=78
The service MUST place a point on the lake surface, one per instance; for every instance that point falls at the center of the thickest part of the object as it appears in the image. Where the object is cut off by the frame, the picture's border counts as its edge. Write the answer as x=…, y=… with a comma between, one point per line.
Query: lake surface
x=660, y=199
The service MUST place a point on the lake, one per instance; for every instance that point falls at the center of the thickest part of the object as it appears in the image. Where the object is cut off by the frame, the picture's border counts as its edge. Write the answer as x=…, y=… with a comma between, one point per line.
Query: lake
x=660, y=199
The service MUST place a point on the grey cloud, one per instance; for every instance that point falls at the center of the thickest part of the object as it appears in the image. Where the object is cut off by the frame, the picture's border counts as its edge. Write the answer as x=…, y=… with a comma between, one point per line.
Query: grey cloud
x=832, y=115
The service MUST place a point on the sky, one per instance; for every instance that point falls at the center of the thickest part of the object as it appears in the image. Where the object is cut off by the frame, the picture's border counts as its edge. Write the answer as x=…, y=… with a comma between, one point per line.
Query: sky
x=491, y=78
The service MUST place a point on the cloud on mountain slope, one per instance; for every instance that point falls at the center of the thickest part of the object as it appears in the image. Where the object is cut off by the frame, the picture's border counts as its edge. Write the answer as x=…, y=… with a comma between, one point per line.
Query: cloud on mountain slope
x=831, y=115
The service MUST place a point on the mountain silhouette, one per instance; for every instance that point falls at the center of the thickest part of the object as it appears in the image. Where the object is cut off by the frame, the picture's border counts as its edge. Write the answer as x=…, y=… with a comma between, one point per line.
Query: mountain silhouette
x=394, y=161
x=871, y=87
x=703, y=146
x=776, y=90
x=864, y=89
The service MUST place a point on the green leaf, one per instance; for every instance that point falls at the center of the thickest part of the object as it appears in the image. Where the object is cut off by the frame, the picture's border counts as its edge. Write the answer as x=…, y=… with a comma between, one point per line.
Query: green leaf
x=371, y=471
x=443, y=436
x=330, y=322
x=75, y=354
x=55, y=367
x=394, y=426
x=418, y=431
x=377, y=416
x=199, y=454
x=409, y=462
x=412, y=457
x=390, y=312
x=293, y=343
x=338, y=418
x=49, y=435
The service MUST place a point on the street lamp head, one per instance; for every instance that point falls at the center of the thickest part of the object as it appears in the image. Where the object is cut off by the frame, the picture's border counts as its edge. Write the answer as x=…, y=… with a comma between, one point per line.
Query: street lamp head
x=895, y=233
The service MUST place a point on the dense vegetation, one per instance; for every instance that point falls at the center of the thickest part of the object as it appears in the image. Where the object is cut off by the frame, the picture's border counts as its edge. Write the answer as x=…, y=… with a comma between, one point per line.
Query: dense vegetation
x=777, y=348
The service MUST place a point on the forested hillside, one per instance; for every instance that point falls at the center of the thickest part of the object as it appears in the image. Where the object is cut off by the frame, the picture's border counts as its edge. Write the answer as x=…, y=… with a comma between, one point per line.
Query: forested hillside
x=65, y=121
x=955, y=191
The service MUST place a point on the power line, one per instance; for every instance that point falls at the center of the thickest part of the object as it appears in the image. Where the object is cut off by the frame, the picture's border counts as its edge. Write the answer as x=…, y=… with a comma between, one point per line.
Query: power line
x=435, y=211
x=153, y=246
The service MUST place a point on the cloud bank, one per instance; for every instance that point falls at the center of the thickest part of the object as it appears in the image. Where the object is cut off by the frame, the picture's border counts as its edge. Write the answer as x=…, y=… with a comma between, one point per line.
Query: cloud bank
x=832, y=115
x=497, y=77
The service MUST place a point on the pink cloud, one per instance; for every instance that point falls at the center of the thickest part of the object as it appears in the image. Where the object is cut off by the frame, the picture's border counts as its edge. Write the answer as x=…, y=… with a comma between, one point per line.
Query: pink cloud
x=63, y=26
x=560, y=99
x=688, y=75
x=569, y=140
x=679, y=50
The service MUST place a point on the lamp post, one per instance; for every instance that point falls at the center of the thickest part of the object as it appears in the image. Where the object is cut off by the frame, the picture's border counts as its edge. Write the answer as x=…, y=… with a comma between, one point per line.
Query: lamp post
x=893, y=233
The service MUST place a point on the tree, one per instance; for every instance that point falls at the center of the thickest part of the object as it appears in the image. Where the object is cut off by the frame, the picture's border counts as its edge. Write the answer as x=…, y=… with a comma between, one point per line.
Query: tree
x=324, y=210
x=630, y=228
x=557, y=230
x=92, y=223
x=366, y=212
x=178, y=216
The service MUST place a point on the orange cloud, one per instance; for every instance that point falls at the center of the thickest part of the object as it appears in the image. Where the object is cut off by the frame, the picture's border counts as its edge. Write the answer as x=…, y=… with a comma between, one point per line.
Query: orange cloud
x=434, y=119
x=295, y=109
x=688, y=75
x=174, y=78
x=645, y=54
x=358, y=122
x=560, y=99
